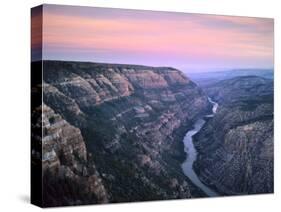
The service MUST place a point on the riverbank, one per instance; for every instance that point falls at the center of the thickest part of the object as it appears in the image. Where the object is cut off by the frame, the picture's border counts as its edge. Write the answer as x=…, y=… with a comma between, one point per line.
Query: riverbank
x=191, y=153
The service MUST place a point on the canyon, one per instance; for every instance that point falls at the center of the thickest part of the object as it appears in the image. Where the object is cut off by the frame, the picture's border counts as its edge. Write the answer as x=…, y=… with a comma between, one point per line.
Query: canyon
x=236, y=146
x=128, y=122
x=114, y=133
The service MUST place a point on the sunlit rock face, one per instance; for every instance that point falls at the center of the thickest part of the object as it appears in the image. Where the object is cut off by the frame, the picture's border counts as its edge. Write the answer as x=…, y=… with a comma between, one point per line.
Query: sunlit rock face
x=117, y=129
x=236, y=146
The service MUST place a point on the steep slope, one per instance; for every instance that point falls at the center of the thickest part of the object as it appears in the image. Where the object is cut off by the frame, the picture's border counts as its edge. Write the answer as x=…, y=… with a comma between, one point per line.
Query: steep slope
x=236, y=146
x=69, y=176
x=132, y=119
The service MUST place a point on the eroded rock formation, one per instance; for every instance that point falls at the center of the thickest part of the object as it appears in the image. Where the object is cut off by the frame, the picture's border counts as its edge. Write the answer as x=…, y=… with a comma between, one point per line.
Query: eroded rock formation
x=236, y=146
x=117, y=126
x=69, y=176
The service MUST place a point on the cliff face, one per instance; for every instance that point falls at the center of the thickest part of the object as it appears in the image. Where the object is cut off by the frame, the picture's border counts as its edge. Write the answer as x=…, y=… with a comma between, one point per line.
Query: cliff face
x=69, y=176
x=236, y=146
x=119, y=128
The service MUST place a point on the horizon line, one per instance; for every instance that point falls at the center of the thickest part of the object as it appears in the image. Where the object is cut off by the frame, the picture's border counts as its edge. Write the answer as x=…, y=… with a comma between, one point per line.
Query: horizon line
x=156, y=66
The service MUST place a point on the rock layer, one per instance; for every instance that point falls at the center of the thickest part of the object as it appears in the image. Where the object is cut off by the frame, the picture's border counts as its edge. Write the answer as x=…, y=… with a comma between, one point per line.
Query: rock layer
x=236, y=146
x=69, y=176
x=131, y=120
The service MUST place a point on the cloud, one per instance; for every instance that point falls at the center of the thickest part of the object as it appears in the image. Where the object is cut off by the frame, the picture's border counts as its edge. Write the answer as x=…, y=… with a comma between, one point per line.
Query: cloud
x=184, y=38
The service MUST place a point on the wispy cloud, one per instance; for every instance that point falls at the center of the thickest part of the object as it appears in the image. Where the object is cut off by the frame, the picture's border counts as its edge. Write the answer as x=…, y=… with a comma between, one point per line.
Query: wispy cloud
x=156, y=38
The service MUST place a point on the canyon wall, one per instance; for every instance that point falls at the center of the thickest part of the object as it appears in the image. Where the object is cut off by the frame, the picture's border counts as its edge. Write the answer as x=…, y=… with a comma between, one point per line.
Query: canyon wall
x=118, y=129
x=236, y=146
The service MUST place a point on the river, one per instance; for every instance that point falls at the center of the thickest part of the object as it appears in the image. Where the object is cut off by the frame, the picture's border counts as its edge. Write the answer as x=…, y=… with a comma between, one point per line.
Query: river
x=191, y=153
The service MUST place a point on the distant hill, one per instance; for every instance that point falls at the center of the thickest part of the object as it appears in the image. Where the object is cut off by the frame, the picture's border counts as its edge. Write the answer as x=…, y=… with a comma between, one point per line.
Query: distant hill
x=208, y=78
x=242, y=89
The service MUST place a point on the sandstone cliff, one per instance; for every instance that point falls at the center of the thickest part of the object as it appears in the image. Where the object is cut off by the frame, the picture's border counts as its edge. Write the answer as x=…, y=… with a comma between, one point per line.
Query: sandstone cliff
x=69, y=176
x=236, y=146
x=121, y=125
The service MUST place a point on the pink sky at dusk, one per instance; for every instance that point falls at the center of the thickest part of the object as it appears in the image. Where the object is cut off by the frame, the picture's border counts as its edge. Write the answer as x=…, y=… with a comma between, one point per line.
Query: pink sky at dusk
x=190, y=42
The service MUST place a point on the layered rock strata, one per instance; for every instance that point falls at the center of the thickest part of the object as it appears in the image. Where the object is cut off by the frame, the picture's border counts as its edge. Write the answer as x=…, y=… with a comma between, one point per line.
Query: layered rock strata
x=69, y=175
x=131, y=120
x=236, y=146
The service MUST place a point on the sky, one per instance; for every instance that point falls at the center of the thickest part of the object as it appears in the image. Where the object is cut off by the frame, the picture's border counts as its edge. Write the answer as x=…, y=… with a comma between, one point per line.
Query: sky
x=190, y=42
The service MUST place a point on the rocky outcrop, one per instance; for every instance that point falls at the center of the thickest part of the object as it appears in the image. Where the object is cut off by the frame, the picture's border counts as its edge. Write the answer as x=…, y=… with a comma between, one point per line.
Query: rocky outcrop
x=132, y=120
x=69, y=176
x=236, y=146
